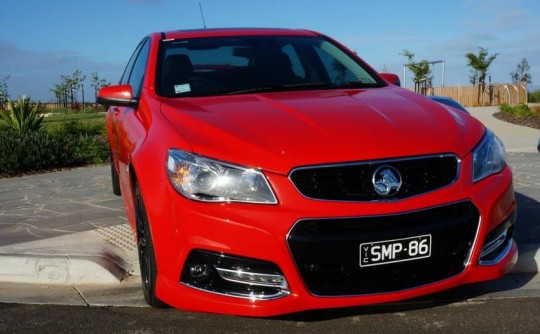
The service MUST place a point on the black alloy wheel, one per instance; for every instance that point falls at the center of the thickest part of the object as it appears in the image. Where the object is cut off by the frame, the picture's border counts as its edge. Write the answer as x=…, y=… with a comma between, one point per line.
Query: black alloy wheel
x=147, y=258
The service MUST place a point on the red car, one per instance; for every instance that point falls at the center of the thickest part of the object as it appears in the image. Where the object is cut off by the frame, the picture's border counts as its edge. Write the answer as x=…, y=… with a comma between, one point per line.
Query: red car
x=269, y=171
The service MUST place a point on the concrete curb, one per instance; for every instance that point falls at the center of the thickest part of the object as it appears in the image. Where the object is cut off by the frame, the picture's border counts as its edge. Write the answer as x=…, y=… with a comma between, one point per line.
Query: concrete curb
x=54, y=269
x=103, y=256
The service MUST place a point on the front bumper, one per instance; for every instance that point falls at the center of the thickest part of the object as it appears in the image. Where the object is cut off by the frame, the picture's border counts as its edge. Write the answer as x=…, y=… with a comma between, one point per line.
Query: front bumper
x=263, y=232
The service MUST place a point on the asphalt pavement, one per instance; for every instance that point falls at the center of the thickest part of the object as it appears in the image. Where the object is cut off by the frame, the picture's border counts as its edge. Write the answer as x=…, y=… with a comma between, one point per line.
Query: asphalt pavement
x=64, y=238
x=499, y=316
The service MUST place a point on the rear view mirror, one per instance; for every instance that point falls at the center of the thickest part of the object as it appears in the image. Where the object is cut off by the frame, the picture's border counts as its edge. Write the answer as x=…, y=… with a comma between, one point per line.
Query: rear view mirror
x=391, y=78
x=119, y=96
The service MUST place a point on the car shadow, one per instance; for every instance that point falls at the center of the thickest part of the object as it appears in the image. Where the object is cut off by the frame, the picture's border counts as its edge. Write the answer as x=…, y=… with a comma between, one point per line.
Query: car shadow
x=527, y=235
x=527, y=232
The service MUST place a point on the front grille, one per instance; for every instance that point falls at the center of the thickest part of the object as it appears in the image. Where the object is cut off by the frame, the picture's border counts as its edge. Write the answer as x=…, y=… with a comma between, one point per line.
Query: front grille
x=353, y=181
x=327, y=251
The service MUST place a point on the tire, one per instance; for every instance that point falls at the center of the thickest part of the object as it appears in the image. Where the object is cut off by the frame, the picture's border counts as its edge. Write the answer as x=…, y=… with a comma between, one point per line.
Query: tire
x=115, y=180
x=145, y=249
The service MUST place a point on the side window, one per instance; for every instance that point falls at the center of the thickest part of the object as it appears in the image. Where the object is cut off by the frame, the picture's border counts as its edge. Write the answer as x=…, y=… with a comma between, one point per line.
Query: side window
x=139, y=68
x=129, y=66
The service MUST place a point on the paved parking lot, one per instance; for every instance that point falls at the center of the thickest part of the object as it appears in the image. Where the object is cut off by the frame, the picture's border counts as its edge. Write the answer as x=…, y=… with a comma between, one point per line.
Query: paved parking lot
x=54, y=204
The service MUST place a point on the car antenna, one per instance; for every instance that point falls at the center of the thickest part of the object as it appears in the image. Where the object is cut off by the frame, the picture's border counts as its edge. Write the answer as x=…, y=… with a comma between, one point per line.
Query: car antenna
x=202, y=16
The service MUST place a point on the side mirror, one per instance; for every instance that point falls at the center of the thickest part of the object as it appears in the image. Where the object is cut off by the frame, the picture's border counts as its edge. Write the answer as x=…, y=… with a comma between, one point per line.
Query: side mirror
x=119, y=96
x=391, y=78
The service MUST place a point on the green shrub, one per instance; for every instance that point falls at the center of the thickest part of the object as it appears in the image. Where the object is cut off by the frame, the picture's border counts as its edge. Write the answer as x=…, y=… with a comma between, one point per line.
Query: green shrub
x=521, y=110
x=37, y=151
x=24, y=116
x=34, y=151
x=505, y=107
x=93, y=149
x=82, y=127
x=534, y=96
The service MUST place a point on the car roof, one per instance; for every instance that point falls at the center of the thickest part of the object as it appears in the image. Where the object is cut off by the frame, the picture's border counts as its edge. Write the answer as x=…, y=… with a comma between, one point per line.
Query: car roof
x=177, y=34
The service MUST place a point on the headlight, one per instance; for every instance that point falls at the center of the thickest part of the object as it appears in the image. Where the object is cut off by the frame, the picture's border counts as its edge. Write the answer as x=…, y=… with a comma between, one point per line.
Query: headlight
x=207, y=180
x=489, y=157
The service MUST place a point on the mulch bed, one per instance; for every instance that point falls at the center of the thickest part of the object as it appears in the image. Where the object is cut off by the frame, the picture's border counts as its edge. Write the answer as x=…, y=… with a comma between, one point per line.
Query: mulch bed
x=532, y=122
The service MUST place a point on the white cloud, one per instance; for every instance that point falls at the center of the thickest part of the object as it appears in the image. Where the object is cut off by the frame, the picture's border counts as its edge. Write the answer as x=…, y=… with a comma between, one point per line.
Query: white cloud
x=33, y=73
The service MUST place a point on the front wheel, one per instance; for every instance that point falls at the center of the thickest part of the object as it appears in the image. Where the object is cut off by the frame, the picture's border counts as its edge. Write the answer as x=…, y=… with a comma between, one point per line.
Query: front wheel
x=147, y=258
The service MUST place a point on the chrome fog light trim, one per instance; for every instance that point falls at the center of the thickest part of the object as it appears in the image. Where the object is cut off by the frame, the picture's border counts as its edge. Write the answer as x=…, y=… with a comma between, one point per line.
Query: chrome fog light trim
x=499, y=257
x=246, y=277
x=494, y=244
x=498, y=242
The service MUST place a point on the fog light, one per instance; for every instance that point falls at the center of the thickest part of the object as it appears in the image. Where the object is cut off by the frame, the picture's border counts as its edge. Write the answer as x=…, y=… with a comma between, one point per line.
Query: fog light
x=497, y=243
x=200, y=272
x=234, y=276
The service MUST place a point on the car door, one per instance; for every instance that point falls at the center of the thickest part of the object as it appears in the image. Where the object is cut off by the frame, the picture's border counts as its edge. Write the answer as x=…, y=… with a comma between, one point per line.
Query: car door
x=122, y=120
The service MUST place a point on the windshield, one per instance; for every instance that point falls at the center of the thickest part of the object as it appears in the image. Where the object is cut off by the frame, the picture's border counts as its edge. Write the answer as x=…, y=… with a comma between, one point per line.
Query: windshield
x=250, y=64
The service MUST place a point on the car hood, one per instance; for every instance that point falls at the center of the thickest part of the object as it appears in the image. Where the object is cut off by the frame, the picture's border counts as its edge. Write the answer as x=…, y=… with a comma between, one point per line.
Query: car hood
x=279, y=131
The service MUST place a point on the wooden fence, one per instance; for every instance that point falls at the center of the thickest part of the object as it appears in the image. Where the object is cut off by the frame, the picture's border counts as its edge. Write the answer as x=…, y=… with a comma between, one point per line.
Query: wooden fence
x=471, y=96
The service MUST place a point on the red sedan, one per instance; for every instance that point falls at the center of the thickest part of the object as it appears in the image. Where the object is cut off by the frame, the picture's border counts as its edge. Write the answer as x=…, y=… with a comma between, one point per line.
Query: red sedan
x=269, y=171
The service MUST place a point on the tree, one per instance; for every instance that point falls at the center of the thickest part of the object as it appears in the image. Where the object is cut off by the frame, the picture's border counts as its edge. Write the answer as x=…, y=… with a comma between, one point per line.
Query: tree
x=77, y=82
x=4, y=96
x=68, y=88
x=522, y=74
x=420, y=70
x=479, y=69
x=98, y=83
x=479, y=65
x=61, y=91
x=60, y=94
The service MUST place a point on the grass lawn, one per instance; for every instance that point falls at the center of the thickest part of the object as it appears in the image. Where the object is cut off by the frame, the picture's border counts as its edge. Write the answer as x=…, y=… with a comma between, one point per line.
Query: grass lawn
x=55, y=117
x=59, y=117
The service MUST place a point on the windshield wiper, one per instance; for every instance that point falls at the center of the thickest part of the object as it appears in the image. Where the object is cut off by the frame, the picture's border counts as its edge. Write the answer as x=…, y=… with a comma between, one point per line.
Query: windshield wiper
x=281, y=88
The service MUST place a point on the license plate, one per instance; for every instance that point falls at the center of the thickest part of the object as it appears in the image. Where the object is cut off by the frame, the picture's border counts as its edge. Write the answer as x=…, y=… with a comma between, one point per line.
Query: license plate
x=392, y=251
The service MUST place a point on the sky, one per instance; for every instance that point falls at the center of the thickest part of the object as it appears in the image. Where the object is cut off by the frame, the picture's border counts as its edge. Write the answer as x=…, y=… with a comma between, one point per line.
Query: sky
x=43, y=39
